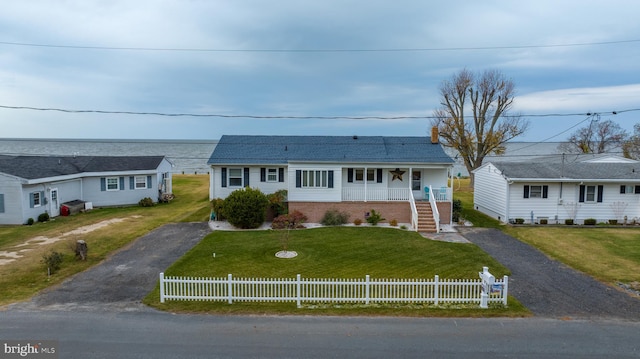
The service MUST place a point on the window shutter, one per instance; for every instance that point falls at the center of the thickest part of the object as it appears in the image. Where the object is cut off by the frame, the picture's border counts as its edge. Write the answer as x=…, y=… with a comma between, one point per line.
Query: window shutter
x=263, y=174
x=246, y=177
x=122, y=183
x=223, y=179
x=637, y=189
x=330, y=179
x=379, y=175
x=103, y=184
x=132, y=184
x=298, y=178
x=31, y=200
x=545, y=191
x=526, y=191
x=350, y=175
x=149, y=184
x=1, y=203
x=581, y=198
x=600, y=192
x=43, y=199
x=623, y=189
x=280, y=174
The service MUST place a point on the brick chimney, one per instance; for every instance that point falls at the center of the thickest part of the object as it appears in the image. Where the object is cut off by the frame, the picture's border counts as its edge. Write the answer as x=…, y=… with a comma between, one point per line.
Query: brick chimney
x=434, y=134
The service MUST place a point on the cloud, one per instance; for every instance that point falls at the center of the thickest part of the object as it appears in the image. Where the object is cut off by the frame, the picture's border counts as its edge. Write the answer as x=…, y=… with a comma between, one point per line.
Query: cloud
x=586, y=99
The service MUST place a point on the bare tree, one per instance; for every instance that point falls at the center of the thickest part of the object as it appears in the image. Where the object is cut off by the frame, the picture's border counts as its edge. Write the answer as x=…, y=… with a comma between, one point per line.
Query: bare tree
x=488, y=97
x=631, y=147
x=597, y=137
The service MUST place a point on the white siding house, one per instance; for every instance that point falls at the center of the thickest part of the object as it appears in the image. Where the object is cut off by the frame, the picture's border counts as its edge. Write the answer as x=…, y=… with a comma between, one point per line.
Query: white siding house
x=604, y=190
x=32, y=185
x=353, y=174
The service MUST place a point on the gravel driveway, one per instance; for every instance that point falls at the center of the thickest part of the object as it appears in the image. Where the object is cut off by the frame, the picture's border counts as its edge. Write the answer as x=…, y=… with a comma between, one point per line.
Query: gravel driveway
x=126, y=277
x=549, y=288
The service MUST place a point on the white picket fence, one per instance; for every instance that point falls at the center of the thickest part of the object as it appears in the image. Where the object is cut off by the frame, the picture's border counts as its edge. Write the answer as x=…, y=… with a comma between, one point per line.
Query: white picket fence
x=363, y=290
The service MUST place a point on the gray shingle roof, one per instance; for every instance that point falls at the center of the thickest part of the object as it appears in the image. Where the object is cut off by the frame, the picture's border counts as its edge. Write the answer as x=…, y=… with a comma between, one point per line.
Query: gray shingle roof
x=363, y=149
x=34, y=167
x=574, y=170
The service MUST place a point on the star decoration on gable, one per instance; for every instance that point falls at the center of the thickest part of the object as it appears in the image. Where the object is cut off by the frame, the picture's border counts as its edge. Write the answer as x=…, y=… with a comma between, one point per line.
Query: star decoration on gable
x=397, y=174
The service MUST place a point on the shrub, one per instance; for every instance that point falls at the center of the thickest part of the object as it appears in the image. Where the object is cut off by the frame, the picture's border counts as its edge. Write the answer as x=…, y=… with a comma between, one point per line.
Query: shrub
x=519, y=220
x=53, y=261
x=403, y=227
x=357, y=221
x=245, y=208
x=590, y=221
x=333, y=217
x=543, y=221
x=292, y=220
x=146, y=202
x=216, y=206
x=568, y=222
x=374, y=218
x=456, y=210
x=613, y=221
x=43, y=217
x=30, y=221
x=278, y=202
x=393, y=222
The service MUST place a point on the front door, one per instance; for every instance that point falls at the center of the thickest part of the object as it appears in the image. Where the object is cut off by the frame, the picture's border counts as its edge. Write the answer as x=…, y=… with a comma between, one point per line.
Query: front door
x=416, y=184
x=55, y=205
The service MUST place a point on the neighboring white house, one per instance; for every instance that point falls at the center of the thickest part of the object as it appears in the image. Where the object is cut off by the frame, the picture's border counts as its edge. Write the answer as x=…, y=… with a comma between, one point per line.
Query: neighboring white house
x=354, y=174
x=32, y=185
x=603, y=188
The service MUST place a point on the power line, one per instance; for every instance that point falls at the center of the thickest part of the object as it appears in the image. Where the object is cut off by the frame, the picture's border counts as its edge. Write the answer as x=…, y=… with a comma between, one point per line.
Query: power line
x=417, y=49
x=168, y=114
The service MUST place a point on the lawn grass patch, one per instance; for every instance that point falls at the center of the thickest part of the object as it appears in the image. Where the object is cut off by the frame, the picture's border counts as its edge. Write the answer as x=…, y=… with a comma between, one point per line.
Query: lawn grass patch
x=26, y=276
x=331, y=252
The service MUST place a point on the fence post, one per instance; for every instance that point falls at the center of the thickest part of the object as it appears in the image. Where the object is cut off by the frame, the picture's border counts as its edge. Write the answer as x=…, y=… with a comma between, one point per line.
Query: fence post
x=230, y=288
x=161, y=287
x=366, y=289
x=436, y=289
x=505, y=289
x=298, y=290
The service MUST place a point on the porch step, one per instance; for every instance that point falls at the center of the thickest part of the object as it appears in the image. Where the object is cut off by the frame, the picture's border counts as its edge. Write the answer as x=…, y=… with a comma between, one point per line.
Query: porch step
x=426, y=222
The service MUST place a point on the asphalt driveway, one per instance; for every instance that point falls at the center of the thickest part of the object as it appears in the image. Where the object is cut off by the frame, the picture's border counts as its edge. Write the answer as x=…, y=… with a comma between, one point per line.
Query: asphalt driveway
x=549, y=288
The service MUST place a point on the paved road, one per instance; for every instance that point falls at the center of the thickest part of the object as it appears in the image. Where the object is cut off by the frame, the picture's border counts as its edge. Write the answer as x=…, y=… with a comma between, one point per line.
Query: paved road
x=128, y=275
x=549, y=288
x=163, y=335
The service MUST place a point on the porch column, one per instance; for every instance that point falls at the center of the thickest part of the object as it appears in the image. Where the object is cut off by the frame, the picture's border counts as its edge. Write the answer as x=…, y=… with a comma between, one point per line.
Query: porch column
x=410, y=180
x=364, y=175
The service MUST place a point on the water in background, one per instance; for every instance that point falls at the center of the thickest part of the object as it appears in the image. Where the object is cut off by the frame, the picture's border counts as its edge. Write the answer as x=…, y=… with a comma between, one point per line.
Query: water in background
x=187, y=156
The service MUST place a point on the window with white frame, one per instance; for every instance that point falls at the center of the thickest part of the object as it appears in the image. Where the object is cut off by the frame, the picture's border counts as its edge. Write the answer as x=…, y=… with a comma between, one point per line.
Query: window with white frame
x=235, y=177
x=113, y=184
x=141, y=182
x=359, y=174
x=371, y=175
x=535, y=192
x=272, y=175
x=590, y=194
x=314, y=179
x=37, y=200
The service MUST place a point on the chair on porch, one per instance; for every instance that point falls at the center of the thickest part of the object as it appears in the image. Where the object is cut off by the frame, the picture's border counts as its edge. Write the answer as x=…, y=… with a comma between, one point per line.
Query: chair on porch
x=426, y=193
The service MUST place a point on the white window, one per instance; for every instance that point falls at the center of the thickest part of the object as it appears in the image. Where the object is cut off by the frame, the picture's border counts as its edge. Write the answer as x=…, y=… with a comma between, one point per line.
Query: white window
x=141, y=182
x=359, y=174
x=535, y=192
x=37, y=201
x=113, y=184
x=235, y=177
x=371, y=175
x=314, y=179
x=272, y=175
x=590, y=194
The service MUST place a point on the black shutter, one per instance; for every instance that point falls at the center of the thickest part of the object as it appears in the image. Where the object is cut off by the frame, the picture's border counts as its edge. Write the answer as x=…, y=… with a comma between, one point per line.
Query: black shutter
x=526, y=191
x=350, y=175
x=637, y=189
x=263, y=174
x=545, y=191
x=122, y=184
x=298, y=178
x=379, y=175
x=103, y=184
x=330, y=179
x=600, y=192
x=132, y=184
x=623, y=189
x=246, y=177
x=581, y=198
x=223, y=179
x=280, y=174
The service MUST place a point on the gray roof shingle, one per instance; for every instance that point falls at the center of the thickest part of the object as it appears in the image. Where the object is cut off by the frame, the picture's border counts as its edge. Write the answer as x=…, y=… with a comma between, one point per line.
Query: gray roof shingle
x=350, y=149
x=574, y=170
x=34, y=167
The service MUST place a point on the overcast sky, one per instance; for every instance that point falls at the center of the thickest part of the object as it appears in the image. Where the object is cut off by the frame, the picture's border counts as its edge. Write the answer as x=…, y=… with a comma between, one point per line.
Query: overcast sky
x=306, y=58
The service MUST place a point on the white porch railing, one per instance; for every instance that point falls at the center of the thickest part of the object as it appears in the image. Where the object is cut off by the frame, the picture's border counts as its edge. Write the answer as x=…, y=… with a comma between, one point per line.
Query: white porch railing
x=364, y=290
x=382, y=194
x=434, y=209
x=414, y=212
x=442, y=194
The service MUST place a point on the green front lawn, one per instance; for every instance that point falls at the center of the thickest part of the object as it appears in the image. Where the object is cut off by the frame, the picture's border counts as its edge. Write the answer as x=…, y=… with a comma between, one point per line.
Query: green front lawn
x=332, y=252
